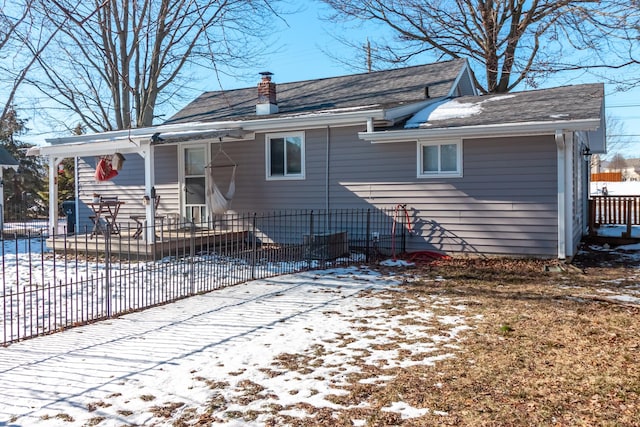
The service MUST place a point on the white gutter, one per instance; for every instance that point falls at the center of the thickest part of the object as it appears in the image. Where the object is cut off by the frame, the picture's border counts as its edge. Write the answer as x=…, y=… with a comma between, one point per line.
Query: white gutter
x=129, y=140
x=86, y=148
x=317, y=119
x=480, y=131
x=147, y=132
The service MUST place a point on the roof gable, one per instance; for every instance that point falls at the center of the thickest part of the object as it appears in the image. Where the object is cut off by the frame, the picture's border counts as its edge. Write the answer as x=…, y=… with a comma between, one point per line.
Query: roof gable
x=381, y=89
x=6, y=159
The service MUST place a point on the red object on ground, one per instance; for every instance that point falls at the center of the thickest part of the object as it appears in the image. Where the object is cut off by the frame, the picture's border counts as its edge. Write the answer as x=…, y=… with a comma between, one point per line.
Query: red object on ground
x=426, y=256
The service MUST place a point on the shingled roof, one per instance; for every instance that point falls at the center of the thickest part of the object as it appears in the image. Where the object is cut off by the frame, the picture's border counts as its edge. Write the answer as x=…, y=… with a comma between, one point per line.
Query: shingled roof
x=7, y=159
x=381, y=89
x=566, y=103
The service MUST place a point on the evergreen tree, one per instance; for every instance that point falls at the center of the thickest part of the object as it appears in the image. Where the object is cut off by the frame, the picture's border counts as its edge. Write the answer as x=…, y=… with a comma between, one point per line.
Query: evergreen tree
x=22, y=188
x=66, y=177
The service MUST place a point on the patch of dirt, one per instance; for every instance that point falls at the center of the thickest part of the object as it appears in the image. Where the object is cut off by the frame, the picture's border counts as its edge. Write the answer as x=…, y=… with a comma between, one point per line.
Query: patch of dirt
x=598, y=257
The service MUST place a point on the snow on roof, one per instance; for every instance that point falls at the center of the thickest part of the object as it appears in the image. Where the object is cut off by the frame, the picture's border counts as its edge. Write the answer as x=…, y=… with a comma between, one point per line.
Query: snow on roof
x=449, y=109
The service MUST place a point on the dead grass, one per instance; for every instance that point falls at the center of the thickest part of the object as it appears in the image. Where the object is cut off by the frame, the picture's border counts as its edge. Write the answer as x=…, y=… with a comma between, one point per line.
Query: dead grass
x=545, y=352
x=546, y=349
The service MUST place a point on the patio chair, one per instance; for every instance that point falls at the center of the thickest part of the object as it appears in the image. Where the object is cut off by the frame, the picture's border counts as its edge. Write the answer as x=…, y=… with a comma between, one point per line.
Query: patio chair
x=140, y=219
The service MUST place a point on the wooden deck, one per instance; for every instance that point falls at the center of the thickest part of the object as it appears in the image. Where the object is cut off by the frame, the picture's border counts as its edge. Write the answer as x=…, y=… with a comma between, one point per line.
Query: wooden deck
x=177, y=242
x=614, y=210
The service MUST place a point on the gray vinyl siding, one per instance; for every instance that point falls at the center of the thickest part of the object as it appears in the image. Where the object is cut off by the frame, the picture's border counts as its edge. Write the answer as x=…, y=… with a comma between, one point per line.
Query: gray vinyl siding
x=128, y=185
x=166, y=177
x=257, y=194
x=504, y=204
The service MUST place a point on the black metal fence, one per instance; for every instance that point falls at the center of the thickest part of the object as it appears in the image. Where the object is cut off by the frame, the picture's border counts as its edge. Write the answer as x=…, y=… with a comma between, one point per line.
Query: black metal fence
x=60, y=281
x=22, y=216
x=22, y=228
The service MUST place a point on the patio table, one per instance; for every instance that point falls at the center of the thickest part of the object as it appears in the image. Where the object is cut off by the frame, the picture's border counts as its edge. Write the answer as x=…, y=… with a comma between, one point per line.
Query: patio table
x=106, y=209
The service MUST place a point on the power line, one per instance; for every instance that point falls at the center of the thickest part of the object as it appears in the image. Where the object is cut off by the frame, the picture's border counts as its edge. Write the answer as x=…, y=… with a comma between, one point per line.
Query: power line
x=623, y=105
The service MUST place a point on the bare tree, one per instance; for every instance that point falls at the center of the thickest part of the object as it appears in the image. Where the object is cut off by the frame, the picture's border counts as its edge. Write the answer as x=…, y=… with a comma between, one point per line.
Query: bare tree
x=617, y=142
x=115, y=63
x=617, y=163
x=19, y=43
x=506, y=41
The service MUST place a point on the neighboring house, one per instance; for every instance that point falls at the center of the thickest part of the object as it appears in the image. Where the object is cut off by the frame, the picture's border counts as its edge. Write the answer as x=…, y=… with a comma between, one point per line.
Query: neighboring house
x=497, y=174
x=630, y=170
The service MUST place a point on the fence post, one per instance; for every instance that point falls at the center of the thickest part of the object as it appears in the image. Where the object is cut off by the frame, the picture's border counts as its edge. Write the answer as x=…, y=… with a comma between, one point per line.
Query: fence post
x=368, y=236
x=592, y=217
x=627, y=234
x=404, y=223
x=107, y=266
x=254, y=243
x=192, y=251
x=310, y=241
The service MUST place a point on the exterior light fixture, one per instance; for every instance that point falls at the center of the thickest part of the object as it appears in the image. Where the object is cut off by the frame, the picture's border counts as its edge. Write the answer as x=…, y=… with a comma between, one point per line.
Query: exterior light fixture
x=586, y=154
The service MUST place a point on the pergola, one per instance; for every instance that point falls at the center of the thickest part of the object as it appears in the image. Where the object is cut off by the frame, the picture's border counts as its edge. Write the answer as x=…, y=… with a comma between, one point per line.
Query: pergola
x=140, y=141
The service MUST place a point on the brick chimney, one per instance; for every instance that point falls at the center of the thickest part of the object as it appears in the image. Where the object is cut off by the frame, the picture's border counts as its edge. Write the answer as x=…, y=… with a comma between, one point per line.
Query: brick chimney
x=267, y=103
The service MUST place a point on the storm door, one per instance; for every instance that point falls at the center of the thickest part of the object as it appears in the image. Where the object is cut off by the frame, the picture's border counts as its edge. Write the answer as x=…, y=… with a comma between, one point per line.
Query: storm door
x=194, y=178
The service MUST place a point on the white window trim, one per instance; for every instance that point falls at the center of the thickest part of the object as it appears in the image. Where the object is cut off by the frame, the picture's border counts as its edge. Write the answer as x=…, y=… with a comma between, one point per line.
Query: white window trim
x=455, y=174
x=267, y=156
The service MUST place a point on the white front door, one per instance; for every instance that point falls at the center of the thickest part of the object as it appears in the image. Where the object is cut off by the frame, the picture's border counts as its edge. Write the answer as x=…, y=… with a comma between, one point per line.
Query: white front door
x=194, y=182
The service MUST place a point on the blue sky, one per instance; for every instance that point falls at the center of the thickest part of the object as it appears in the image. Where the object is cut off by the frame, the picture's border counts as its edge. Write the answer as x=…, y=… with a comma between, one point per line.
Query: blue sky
x=301, y=56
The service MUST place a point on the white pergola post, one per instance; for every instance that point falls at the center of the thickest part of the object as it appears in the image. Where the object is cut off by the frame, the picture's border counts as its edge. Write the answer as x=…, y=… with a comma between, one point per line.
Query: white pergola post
x=53, y=194
x=149, y=182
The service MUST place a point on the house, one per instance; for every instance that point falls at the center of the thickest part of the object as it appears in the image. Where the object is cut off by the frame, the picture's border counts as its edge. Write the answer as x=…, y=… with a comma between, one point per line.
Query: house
x=496, y=174
x=628, y=168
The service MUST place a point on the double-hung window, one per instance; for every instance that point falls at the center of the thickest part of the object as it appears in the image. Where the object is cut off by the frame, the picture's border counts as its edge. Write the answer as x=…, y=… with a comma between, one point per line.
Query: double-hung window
x=440, y=159
x=285, y=156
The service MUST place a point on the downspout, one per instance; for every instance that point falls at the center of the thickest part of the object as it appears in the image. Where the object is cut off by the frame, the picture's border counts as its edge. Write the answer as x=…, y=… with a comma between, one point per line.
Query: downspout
x=561, y=155
x=568, y=199
x=327, y=169
x=586, y=191
x=370, y=127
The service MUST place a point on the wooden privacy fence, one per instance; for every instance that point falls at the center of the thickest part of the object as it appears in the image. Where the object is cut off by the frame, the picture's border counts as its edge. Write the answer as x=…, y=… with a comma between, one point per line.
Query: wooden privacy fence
x=614, y=210
x=607, y=177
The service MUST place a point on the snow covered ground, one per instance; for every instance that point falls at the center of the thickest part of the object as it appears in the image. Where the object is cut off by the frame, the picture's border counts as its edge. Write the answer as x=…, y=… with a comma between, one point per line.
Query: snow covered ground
x=627, y=188
x=617, y=230
x=117, y=371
